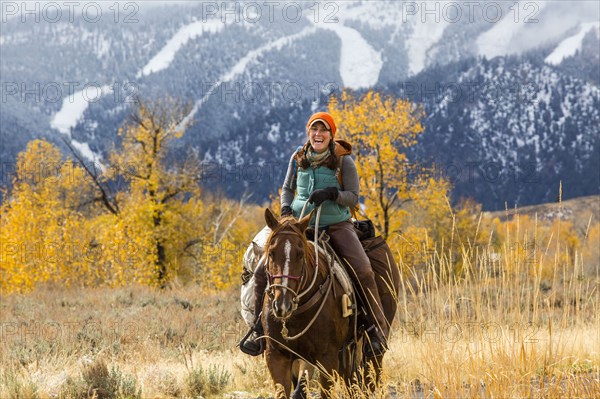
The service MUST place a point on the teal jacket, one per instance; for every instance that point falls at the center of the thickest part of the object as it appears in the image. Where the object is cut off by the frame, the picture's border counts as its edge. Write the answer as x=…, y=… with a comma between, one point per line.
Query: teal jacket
x=309, y=180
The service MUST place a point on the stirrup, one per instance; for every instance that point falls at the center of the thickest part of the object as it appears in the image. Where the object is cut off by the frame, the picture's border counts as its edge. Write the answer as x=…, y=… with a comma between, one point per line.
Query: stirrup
x=252, y=347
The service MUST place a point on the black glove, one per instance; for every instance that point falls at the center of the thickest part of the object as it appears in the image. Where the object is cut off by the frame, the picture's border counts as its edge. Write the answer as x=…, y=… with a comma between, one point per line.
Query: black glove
x=286, y=211
x=319, y=196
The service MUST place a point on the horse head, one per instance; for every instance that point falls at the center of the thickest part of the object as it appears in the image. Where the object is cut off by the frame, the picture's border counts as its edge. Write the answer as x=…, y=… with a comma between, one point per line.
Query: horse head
x=287, y=252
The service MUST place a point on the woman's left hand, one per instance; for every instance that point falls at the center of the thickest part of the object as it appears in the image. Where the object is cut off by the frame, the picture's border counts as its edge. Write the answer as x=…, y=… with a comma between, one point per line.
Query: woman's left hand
x=321, y=195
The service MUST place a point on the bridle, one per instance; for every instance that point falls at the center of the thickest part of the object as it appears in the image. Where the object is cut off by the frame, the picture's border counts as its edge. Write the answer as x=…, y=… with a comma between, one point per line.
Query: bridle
x=271, y=277
x=297, y=296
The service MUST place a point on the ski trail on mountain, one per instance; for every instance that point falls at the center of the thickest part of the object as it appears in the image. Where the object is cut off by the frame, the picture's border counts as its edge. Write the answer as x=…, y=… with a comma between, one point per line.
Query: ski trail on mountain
x=572, y=44
x=71, y=113
x=360, y=63
x=166, y=55
x=425, y=34
x=242, y=64
x=499, y=39
x=73, y=107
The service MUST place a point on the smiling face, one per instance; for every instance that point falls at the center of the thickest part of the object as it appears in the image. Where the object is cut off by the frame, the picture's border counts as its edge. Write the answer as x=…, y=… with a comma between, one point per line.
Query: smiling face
x=319, y=136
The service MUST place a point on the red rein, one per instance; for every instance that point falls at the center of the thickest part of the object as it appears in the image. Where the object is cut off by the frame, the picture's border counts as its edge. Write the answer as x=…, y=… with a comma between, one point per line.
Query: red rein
x=297, y=278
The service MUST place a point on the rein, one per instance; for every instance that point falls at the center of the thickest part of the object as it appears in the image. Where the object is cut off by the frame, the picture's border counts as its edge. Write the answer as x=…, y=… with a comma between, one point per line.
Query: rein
x=295, y=231
x=297, y=296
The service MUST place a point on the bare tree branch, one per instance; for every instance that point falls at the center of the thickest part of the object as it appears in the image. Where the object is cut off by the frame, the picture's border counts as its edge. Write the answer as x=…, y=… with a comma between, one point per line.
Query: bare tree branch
x=240, y=207
x=110, y=203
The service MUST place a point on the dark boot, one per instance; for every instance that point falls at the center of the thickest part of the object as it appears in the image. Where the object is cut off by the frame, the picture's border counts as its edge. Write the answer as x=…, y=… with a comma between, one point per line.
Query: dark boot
x=251, y=344
x=379, y=330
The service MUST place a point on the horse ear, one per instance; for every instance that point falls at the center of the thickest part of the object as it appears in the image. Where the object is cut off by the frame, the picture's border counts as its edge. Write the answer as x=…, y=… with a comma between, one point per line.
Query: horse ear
x=271, y=219
x=257, y=249
x=305, y=221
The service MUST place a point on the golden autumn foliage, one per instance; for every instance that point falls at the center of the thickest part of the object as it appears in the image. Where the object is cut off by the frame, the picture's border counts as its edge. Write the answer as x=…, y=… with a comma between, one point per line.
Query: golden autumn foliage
x=140, y=220
x=143, y=218
x=434, y=227
x=408, y=204
x=536, y=246
x=590, y=251
x=152, y=217
x=380, y=128
x=44, y=227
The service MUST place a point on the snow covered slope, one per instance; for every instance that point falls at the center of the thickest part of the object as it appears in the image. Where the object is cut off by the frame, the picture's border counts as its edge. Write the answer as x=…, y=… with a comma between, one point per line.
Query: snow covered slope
x=572, y=44
x=252, y=81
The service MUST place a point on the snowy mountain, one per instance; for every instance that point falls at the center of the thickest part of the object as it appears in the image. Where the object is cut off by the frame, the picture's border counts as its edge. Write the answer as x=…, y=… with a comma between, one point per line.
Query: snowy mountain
x=512, y=127
x=510, y=88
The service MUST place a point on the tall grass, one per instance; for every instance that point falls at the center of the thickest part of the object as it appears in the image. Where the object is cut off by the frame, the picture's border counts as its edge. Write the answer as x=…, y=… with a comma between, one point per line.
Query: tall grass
x=479, y=321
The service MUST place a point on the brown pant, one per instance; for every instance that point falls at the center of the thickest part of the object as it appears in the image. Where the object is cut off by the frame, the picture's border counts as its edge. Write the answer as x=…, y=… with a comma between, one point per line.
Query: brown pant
x=345, y=242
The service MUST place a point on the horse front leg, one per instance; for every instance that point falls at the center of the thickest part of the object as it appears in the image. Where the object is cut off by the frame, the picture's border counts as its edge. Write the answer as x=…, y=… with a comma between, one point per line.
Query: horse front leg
x=330, y=364
x=300, y=373
x=280, y=368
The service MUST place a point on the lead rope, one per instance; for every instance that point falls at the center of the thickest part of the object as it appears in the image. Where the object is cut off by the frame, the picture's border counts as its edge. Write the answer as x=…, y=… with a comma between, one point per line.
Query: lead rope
x=316, y=243
x=284, y=330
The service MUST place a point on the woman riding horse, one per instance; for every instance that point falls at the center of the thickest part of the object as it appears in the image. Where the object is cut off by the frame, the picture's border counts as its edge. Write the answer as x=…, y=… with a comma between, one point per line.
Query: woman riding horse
x=312, y=177
x=302, y=317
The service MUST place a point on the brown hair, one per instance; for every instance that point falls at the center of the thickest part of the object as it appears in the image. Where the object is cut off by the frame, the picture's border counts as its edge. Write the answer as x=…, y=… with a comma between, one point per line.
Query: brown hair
x=303, y=162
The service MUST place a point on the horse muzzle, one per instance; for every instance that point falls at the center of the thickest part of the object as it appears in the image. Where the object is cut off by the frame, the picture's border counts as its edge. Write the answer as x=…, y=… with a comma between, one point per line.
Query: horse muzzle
x=282, y=308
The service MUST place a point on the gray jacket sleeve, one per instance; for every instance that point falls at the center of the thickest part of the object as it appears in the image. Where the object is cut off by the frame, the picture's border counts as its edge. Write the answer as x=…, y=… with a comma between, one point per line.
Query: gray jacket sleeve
x=288, y=189
x=349, y=196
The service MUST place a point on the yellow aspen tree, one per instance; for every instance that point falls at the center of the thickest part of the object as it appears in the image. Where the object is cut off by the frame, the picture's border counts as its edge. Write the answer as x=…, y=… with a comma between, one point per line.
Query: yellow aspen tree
x=380, y=128
x=225, y=227
x=153, y=226
x=139, y=220
x=44, y=230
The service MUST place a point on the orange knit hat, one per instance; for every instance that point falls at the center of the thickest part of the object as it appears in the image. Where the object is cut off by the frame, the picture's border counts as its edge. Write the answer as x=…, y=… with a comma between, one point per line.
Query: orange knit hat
x=325, y=118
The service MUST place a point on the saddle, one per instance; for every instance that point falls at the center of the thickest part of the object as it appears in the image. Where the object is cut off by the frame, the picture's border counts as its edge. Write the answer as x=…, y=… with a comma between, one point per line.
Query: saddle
x=382, y=262
x=340, y=274
x=377, y=251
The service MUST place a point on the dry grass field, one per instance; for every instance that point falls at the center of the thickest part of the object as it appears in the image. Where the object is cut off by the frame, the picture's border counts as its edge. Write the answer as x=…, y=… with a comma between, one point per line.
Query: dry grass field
x=502, y=329
x=577, y=210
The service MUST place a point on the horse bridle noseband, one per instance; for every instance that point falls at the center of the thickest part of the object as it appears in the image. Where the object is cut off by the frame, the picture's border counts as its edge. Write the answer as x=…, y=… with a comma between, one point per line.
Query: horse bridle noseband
x=296, y=296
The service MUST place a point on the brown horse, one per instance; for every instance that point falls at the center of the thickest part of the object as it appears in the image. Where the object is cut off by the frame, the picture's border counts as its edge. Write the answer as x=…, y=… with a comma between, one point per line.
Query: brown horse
x=302, y=318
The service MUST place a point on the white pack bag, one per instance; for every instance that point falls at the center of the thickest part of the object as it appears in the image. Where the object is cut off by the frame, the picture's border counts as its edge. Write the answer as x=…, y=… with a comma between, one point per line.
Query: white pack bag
x=251, y=258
